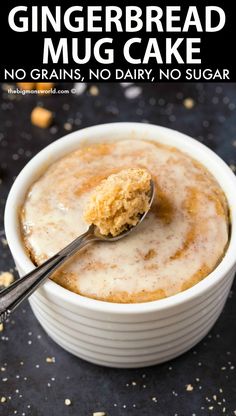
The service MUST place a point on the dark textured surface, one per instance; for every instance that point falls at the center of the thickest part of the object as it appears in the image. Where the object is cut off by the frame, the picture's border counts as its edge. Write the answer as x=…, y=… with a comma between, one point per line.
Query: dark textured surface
x=34, y=387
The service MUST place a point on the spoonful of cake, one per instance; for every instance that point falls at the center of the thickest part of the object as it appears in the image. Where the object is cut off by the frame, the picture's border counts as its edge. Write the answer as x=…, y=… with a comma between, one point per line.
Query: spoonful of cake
x=115, y=209
x=120, y=202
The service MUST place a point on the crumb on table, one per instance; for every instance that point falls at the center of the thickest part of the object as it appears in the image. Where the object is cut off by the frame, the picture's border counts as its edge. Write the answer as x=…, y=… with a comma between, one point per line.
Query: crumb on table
x=6, y=278
x=3, y=399
x=94, y=90
x=117, y=201
x=99, y=414
x=188, y=103
x=41, y=117
x=50, y=360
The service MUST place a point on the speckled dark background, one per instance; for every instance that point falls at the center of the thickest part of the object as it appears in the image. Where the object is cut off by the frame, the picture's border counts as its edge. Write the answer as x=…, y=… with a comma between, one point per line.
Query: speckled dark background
x=34, y=387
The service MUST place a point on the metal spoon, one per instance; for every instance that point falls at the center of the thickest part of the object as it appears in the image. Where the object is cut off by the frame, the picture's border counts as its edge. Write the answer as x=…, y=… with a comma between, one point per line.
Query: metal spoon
x=22, y=288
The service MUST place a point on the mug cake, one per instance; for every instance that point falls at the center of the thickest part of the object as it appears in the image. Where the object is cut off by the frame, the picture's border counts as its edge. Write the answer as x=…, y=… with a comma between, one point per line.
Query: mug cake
x=180, y=242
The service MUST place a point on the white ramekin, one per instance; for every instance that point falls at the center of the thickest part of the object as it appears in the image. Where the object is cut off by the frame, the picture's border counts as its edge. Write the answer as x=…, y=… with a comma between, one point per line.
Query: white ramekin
x=126, y=335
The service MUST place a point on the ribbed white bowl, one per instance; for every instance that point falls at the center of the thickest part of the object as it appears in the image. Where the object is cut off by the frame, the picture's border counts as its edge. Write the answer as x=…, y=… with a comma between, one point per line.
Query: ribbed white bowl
x=134, y=335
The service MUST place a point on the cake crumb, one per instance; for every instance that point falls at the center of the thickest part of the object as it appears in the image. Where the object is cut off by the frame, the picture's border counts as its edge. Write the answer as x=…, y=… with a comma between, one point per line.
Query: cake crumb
x=3, y=399
x=67, y=402
x=68, y=126
x=118, y=201
x=50, y=360
x=41, y=117
x=99, y=414
x=189, y=387
x=6, y=278
x=188, y=103
x=93, y=90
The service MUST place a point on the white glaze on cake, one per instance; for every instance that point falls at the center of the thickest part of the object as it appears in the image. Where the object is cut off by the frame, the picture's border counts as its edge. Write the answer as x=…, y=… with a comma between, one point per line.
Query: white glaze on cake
x=180, y=242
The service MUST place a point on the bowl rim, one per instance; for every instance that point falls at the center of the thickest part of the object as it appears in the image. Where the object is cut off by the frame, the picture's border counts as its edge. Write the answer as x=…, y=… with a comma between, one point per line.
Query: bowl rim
x=62, y=146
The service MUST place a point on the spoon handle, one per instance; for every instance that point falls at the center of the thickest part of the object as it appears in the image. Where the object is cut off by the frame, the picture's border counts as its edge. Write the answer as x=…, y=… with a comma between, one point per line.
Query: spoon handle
x=22, y=288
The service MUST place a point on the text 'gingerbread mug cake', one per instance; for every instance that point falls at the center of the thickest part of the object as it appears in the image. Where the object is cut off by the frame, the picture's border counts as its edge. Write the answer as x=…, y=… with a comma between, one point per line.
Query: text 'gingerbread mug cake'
x=179, y=243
